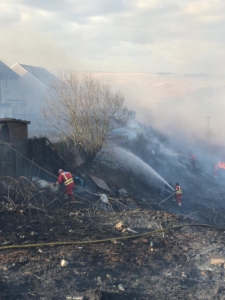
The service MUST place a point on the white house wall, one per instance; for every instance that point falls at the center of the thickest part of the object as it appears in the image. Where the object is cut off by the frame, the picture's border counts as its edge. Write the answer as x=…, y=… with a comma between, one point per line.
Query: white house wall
x=32, y=91
x=8, y=89
x=9, y=100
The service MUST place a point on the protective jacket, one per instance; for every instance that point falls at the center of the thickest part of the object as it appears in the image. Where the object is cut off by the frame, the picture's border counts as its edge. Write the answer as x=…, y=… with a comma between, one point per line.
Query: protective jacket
x=178, y=190
x=67, y=179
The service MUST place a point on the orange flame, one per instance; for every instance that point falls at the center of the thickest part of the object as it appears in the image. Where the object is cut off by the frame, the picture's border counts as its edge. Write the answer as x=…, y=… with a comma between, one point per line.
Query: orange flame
x=221, y=165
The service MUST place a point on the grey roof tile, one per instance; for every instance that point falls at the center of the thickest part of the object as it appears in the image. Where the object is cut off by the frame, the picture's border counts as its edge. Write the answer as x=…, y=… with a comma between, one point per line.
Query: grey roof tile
x=41, y=74
x=6, y=72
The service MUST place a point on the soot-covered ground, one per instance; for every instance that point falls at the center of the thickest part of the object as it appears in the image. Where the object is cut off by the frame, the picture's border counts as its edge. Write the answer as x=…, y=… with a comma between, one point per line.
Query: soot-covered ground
x=178, y=263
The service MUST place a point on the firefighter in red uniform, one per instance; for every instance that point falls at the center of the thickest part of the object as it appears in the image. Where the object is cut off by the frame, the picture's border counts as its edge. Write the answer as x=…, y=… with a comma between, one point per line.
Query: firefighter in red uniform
x=193, y=161
x=215, y=170
x=67, y=179
x=178, y=193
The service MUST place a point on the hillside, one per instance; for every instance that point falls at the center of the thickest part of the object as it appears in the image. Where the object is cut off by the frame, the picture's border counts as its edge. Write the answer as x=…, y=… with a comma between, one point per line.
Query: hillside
x=54, y=249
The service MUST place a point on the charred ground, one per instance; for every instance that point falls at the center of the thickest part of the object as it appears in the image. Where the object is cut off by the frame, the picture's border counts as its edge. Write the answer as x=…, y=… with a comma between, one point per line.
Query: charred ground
x=178, y=263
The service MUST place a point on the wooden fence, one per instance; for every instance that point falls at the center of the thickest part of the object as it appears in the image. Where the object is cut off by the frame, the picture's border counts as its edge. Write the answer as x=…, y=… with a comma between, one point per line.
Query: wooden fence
x=30, y=157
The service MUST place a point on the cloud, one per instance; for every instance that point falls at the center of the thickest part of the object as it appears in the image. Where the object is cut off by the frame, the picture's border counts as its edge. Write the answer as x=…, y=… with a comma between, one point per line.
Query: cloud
x=77, y=8
x=55, y=5
x=117, y=35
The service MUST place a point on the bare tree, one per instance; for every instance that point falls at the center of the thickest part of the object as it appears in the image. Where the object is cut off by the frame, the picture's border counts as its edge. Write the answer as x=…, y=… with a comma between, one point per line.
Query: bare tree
x=85, y=112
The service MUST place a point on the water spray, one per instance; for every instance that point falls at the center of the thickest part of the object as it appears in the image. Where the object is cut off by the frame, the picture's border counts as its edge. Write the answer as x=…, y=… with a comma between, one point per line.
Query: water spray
x=138, y=165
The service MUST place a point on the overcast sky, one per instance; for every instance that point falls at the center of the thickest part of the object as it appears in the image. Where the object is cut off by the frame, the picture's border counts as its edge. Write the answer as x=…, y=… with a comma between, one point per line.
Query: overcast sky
x=178, y=36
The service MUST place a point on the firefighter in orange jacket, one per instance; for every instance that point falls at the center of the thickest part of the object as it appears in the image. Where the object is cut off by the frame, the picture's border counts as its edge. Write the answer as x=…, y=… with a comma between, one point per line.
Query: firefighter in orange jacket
x=178, y=193
x=67, y=179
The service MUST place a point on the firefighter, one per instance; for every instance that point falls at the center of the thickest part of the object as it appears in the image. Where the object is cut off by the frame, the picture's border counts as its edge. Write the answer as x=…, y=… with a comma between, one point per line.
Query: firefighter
x=178, y=193
x=193, y=161
x=215, y=170
x=67, y=179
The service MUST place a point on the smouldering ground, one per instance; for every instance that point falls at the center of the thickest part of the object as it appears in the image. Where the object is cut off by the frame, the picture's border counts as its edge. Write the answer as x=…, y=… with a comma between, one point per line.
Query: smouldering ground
x=185, y=263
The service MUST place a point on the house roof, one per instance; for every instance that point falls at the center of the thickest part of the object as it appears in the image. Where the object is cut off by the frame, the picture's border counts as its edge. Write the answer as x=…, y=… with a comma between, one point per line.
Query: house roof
x=41, y=74
x=14, y=120
x=6, y=72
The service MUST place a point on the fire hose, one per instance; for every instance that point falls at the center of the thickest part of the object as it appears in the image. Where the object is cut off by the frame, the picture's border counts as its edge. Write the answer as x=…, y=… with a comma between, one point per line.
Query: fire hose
x=57, y=177
x=93, y=241
x=103, y=240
